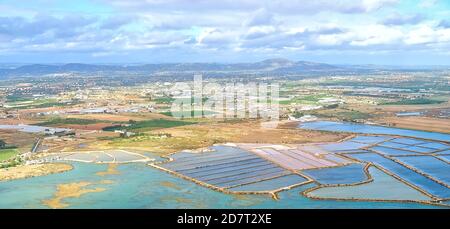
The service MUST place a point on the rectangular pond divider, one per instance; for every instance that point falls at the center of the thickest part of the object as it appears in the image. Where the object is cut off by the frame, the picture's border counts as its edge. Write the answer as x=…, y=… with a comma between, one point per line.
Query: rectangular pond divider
x=251, y=168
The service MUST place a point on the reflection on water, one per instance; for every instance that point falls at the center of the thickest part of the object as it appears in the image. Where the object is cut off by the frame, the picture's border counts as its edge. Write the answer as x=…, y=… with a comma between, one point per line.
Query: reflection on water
x=140, y=186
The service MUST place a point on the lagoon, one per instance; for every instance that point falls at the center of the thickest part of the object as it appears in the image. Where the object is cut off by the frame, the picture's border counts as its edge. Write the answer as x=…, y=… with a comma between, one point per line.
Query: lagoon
x=139, y=186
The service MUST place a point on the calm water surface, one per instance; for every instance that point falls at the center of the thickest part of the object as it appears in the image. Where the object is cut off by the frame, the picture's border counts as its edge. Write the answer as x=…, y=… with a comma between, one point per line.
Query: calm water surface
x=141, y=186
x=372, y=129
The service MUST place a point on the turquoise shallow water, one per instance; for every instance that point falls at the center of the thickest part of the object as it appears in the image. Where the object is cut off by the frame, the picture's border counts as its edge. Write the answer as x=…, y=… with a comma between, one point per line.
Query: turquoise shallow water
x=383, y=187
x=141, y=186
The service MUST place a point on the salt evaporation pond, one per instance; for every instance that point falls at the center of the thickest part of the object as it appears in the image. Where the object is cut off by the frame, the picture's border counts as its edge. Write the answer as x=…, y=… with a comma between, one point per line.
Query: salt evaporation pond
x=372, y=129
x=384, y=187
x=348, y=174
x=431, y=166
x=391, y=152
x=32, y=129
x=403, y=172
x=445, y=157
x=140, y=186
x=137, y=185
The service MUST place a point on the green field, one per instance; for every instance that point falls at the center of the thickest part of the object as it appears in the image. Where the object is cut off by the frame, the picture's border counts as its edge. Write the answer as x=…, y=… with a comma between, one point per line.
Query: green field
x=37, y=103
x=164, y=100
x=352, y=115
x=16, y=98
x=6, y=154
x=423, y=101
x=69, y=121
x=149, y=125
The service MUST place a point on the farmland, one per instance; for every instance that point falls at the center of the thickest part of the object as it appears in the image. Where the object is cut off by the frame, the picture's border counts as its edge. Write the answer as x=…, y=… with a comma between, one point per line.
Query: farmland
x=6, y=154
x=143, y=126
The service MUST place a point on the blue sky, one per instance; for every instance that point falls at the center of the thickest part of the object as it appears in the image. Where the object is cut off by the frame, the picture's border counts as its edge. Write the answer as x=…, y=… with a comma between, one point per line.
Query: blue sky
x=394, y=32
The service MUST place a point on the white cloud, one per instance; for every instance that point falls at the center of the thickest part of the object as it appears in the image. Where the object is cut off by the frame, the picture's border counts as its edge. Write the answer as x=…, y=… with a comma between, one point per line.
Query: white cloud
x=421, y=35
x=227, y=27
x=426, y=34
x=376, y=35
x=275, y=6
x=260, y=17
x=331, y=40
x=427, y=3
x=372, y=5
x=403, y=19
x=216, y=38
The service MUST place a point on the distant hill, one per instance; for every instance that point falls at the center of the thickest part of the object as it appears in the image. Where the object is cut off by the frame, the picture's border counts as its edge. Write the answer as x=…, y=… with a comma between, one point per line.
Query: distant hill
x=269, y=66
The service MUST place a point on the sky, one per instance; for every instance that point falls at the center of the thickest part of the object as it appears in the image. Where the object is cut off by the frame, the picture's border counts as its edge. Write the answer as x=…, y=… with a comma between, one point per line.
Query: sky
x=387, y=32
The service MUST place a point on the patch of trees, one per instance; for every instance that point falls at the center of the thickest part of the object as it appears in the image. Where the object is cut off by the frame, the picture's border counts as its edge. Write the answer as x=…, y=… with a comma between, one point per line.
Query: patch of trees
x=3, y=145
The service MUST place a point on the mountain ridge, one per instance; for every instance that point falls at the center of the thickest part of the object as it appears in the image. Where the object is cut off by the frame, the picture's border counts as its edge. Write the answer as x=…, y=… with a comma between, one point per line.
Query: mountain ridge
x=268, y=65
